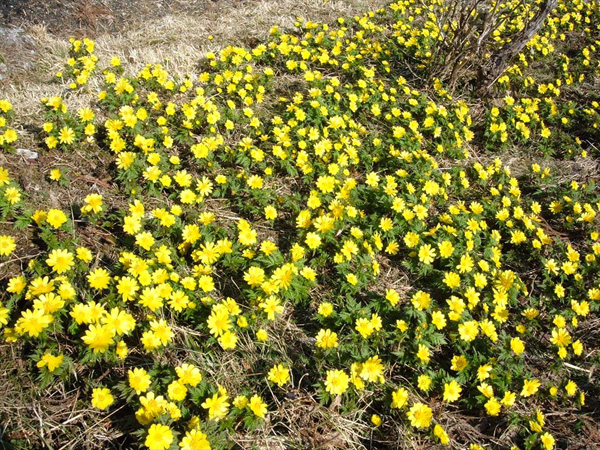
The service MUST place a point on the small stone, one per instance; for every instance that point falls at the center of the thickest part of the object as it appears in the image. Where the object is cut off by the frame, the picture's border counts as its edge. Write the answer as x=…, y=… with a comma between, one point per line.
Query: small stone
x=15, y=37
x=27, y=154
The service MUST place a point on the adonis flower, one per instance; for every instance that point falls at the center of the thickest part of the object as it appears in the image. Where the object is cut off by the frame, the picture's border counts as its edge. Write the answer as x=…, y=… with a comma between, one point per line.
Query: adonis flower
x=93, y=203
x=257, y=406
x=60, y=261
x=56, y=218
x=337, y=382
x=530, y=387
x=426, y=254
x=139, y=380
x=66, y=136
x=420, y=415
x=159, y=437
x=7, y=245
x=279, y=375
x=452, y=391
x=33, y=322
x=326, y=339
x=217, y=405
x=102, y=398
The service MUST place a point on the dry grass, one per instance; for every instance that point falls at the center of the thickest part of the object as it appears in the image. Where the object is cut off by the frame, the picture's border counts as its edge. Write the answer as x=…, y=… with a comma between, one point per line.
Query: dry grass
x=53, y=418
x=178, y=41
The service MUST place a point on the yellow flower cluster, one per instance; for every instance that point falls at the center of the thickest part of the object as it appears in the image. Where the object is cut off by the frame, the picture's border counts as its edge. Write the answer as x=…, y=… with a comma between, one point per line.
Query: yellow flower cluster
x=8, y=135
x=351, y=208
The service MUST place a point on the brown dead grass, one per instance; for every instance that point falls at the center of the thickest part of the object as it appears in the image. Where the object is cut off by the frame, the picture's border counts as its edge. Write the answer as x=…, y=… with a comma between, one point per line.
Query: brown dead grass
x=54, y=417
x=178, y=41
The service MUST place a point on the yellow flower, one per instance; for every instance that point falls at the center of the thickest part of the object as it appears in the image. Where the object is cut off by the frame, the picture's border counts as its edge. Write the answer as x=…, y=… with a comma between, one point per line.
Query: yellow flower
x=246, y=236
x=446, y=249
x=452, y=391
x=176, y=391
x=364, y=327
x=217, y=405
x=459, y=363
x=93, y=203
x=33, y=322
x=139, y=380
x=421, y=300
x=420, y=415
x=517, y=237
x=376, y=420
x=66, y=136
x=60, y=261
x=189, y=374
x=279, y=375
x=352, y=279
x=483, y=372
x=426, y=254
x=102, y=398
x=423, y=354
x=326, y=339
x=547, y=441
x=392, y=296
x=509, y=399
x=159, y=437
x=55, y=174
x=98, y=338
x=423, y=382
x=336, y=382
x=84, y=254
x=313, y=240
x=441, y=434
x=195, y=440
x=240, y=402
x=119, y=321
x=560, y=337
x=13, y=195
x=271, y=306
x=386, y=224
x=257, y=406
x=466, y=264
x=411, y=239
x=517, y=345
x=255, y=182
x=7, y=245
x=438, y=319
x=325, y=309
x=493, y=407
x=468, y=331
x=452, y=280
x=50, y=361
x=530, y=387
x=16, y=284
x=86, y=114
x=372, y=370
x=56, y=218
x=399, y=398
x=571, y=388
x=577, y=347
x=228, y=340
x=145, y=240
x=254, y=276
x=263, y=336
x=98, y=279
x=270, y=213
